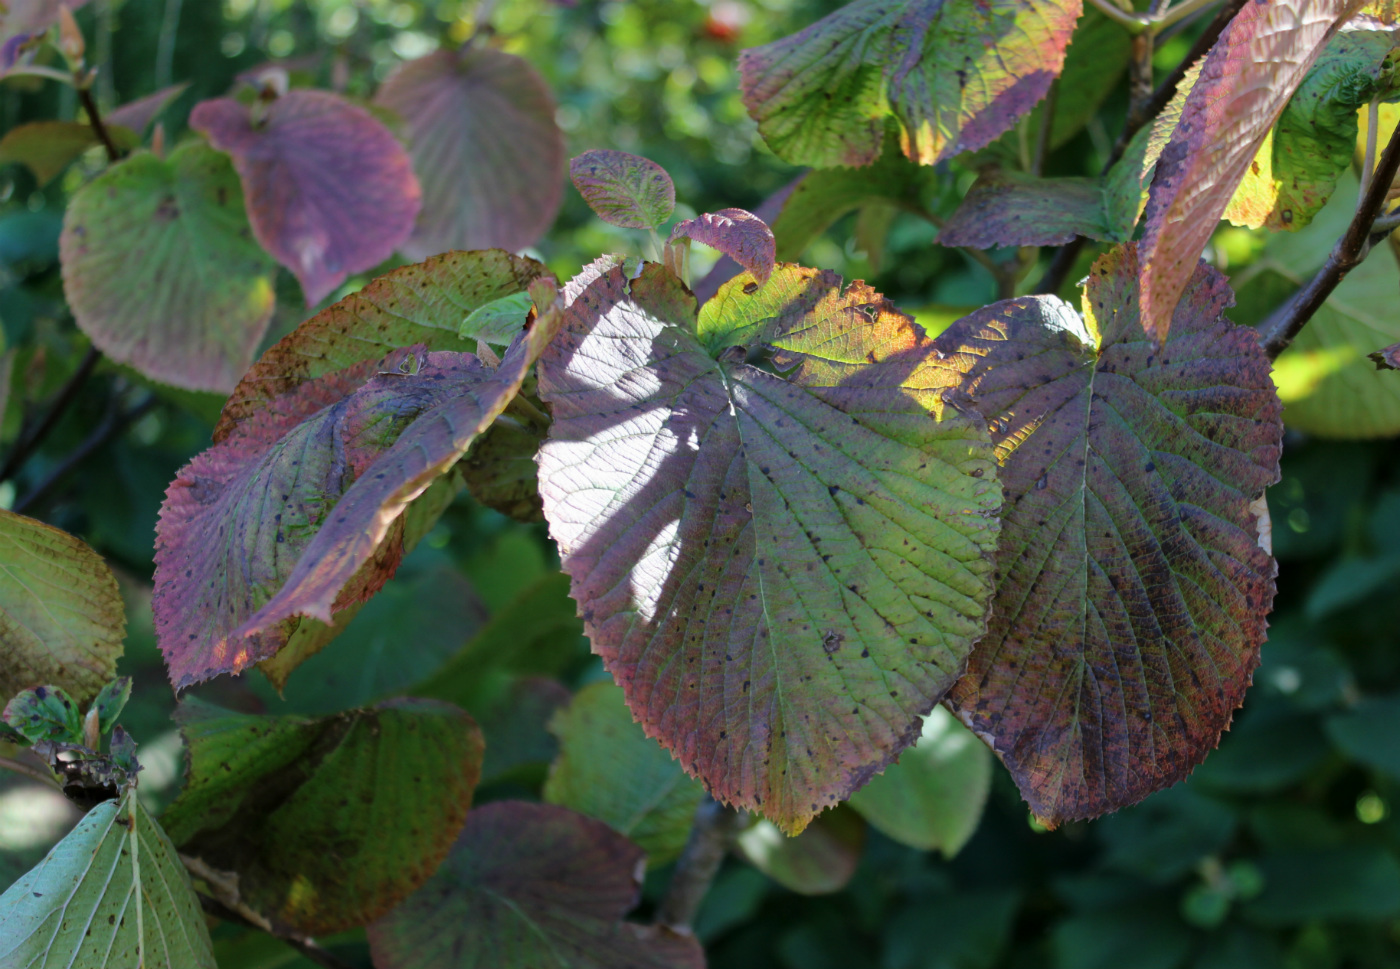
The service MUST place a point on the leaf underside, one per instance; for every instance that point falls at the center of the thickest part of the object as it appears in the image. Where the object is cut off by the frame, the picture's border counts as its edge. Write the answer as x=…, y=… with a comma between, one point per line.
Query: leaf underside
x=1132, y=590
x=783, y=574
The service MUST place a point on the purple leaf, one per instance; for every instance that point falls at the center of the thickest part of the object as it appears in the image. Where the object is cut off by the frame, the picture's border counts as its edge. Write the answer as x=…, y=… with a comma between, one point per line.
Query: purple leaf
x=138, y=115
x=1387, y=358
x=624, y=190
x=740, y=235
x=1015, y=209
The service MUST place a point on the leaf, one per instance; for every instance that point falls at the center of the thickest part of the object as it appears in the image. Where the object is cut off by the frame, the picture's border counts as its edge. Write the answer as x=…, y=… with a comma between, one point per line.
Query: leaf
x=499, y=321
x=1297, y=166
x=481, y=133
x=110, y=894
x=1131, y=590
x=330, y=191
x=932, y=799
x=160, y=271
x=1354, y=883
x=740, y=235
x=46, y=148
x=1004, y=208
x=45, y=713
x=137, y=115
x=624, y=190
x=61, y=616
x=424, y=303
x=515, y=721
x=32, y=16
x=530, y=885
x=500, y=470
x=954, y=75
x=819, y=861
x=783, y=574
x=110, y=702
x=1366, y=731
x=328, y=823
x=1245, y=82
x=608, y=769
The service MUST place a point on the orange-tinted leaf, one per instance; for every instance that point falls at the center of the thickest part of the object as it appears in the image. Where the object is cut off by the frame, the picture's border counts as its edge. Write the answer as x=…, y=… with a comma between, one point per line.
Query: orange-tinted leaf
x=481, y=132
x=330, y=191
x=740, y=235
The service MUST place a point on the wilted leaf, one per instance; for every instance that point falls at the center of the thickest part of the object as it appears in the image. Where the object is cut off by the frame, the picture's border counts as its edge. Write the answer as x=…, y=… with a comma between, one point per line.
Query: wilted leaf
x=425, y=303
x=624, y=190
x=111, y=894
x=1387, y=358
x=1297, y=167
x=1245, y=82
x=45, y=713
x=1131, y=590
x=328, y=823
x=819, y=861
x=933, y=798
x=330, y=190
x=137, y=115
x=608, y=769
x=783, y=572
x=61, y=616
x=1005, y=208
x=161, y=272
x=46, y=148
x=481, y=132
x=740, y=235
x=955, y=75
x=530, y=885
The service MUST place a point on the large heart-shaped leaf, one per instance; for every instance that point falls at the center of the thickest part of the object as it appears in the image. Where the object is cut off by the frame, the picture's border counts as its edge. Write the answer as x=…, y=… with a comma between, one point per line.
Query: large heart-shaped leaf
x=778, y=527
x=112, y=893
x=481, y=132
x=955, y=75
x=1245, y=82
x=530, y=885
x=330, y=190
x=328, y=823
x=161, y=270
x=61, y=616
x=1131, y=586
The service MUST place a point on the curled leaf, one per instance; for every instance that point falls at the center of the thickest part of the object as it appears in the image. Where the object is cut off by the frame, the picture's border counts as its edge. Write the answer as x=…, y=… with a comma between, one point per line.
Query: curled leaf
x=740, y=235
x=1387, y=358
x=624, y=190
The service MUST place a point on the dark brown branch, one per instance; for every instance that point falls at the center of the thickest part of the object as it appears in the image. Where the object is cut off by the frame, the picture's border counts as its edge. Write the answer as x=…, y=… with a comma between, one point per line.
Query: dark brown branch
x=306, y=947
x=27, y=443
x=1285, y=323
x=112, y=424
x=716, y=827
x=95, y=119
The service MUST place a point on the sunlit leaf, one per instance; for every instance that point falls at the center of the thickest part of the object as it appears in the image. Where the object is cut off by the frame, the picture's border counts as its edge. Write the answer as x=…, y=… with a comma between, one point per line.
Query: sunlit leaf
x=819, y=861
x=530, y=885
x=933, y=798
x=740, y=235
x=61, y=616
x=110, y=895
x=499, y=321
x=955, y=75
x=608, y=769
x=1245, y=82
x=481, y=132
x=45, y=713
x=624, y=190
x=782, y=572
x=330, y=191
x=137, y=115
x=161, y=272
x=46, y=148
x=1132, y=589
x=1385, y=11
x=328, y=823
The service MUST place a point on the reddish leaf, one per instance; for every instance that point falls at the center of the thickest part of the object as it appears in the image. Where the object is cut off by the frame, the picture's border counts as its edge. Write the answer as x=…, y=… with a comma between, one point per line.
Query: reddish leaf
x=1132, y=589
x=624, y=190
x=1245, y=82
x=330, y=191
x=481, y=132
x=138, y=115
x=1014, y=209
x=740, y=235
x=1387, y=358
x=530, y=885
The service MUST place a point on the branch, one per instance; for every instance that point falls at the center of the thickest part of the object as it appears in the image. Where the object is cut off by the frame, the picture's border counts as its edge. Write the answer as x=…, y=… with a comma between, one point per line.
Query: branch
x=27, y=443
x=307, y=947
x=32, y=772
x=1285, y=323
x=112, y=424
x=1132, y=22
x=716, y=827
x=95, y=119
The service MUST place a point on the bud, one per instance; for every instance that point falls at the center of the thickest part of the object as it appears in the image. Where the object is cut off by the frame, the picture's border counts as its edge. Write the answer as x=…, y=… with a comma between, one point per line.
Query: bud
x=70, y=39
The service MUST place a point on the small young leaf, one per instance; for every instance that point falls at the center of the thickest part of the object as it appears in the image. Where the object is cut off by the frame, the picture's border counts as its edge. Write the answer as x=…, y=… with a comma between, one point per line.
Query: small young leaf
x=122, y=750
x=955, y=76
x=111, y=701
x=455, y=104
x=137, y=115
x=160, y=272
x=782, y=572
x=45, y=713
x=1132, y=588
x=740, y=235
x=330, y=191
x=819, y=861
x=61, y=616
x=328, y=823
x=46, y=148
x=530, y=885
x=111, y=894
x=624, y=190
x=1387, y=358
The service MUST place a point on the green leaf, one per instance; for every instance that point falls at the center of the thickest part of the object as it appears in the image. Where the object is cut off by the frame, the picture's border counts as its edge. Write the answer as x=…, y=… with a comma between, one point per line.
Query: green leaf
x=515, y=722
x=819, y=861
x=46, y=148
x=45, y=713
x=784, y=573
x=932, y=798
x=530, y=885
x=61, y=616
x=161, y=271
x=110, y=702
x=328, y=823
x=1353, y=883
x=608, y=769
x=624, y=190
x=499, y=321
x=1366, y=733
x=111, y=894
x=954, y=75
x=1132, y=588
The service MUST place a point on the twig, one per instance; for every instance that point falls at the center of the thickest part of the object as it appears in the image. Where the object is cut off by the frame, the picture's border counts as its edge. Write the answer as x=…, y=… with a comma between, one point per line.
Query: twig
x=32, y=772
x=1140, y=79
x=716, y=827
x=111, y=425
x=95, y=119
x=1285, y=323
x=1132, y=22
x=1180, y=12
x=27, y=443
x=307, y=947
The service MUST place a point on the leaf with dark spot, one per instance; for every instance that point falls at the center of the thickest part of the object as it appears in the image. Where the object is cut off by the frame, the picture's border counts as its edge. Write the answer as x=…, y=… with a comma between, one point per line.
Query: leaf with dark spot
x=45, y=713
x=624, y=190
